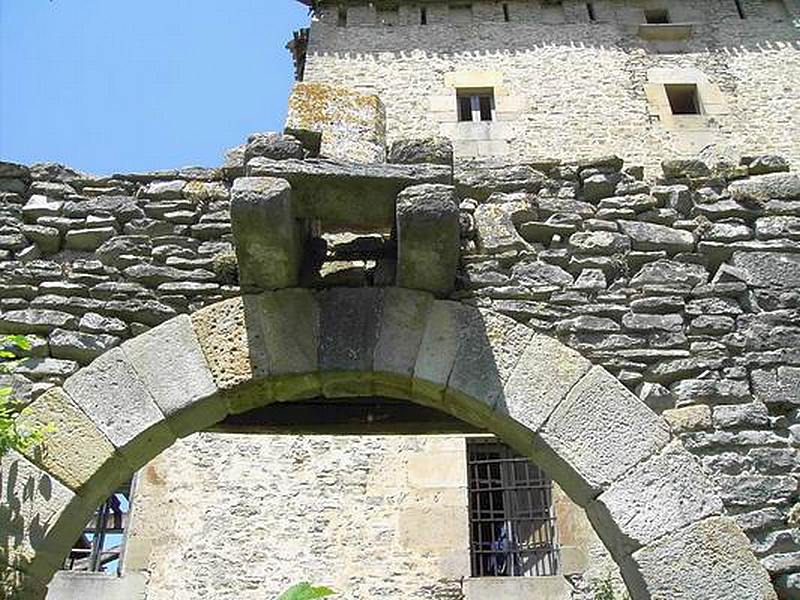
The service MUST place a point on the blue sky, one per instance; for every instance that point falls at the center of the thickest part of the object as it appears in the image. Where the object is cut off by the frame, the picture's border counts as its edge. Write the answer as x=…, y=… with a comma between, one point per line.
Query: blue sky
x=126, y=85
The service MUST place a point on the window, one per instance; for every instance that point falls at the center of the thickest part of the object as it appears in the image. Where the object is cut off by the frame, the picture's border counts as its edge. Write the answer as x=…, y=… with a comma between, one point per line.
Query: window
x=461, y=13
x=512, y=520
x=342, y=16
x=590, y=11
x=683, y=99
x=506, y=14
x=740, y=9
x=657, y=16
x=388, y=16
x=99, y=549
x=423, y=16
x=475, y=105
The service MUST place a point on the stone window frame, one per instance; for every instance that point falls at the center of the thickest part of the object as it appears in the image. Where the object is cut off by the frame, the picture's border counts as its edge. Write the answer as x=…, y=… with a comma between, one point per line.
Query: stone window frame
x=710, y=98
x=491, y=137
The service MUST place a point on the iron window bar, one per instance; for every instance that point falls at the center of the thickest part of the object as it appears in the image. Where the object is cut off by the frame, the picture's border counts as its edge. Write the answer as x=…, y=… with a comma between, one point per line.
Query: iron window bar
x=512, y=519
x=100, y=546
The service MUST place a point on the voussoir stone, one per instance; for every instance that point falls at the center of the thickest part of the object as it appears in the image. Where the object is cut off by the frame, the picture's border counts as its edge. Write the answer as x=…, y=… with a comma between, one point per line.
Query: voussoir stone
x=708, y=560
x=75, y=449
x=598, y=432
x=116, y=399
x=545, y=373
x=171, y=363
x=661, y=495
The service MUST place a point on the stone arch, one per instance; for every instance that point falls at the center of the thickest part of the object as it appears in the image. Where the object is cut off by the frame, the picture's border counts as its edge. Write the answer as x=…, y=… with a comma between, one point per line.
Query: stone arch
x=646, y=496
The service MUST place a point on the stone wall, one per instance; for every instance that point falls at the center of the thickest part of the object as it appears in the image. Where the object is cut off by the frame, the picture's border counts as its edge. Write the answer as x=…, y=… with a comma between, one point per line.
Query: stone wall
x=565, y=86
x=685, y=288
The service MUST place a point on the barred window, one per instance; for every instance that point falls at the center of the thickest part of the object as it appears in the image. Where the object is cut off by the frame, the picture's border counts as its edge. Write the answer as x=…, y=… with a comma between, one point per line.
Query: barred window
x=99, y=549
x=512, y=519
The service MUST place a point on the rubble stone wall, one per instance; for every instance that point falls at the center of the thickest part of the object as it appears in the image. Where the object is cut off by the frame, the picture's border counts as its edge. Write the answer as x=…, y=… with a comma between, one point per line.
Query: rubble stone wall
x=565, y=86
x=686, y=289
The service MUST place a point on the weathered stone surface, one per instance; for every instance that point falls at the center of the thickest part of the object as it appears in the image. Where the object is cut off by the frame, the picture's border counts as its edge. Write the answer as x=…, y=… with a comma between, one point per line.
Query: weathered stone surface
x=766, y=163
x=599, y=432
x=710, y=391
x=80, y=347
x=31, y=506
x=268, y=239
x=149, y=312
x=644, y=322
x=48, y=239
x=46, y=368
x=348, y=333
x=668, y=272
x=534, y=273
x=599, y=186
x=338, y=122
x=777, y=386
x=769, y=269
x=88, y=239
x=546, y=371
x=762, y=188
x=41, y=206
x=706, y=561
x=480, y=180
x=35, y=321
x=599, y=242
x=172, y=366
x=120, y=208
x=347, y=194
x=489, y=346
x=752, y=415
x=663, y=494
x=438, y=349
x=114, y=397
x=164, y=190
x=649, y=236
x=74, y=448
x=427, y=238
x=685, y=167
x=756, y=490
x=495, y=228
x=433, y=150
x=155, y=275
x=118, y=246
x=768, y=228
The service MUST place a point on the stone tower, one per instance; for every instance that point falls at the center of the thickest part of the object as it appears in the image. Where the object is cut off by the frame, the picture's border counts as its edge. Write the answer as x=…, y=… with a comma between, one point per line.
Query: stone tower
x=508, y=310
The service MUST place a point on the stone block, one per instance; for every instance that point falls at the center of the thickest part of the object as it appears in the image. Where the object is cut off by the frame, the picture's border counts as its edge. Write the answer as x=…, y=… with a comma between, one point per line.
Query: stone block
x=117, y=401
x=546, y=371
x=404, y=316
x=74, y=449
x=347, y=195
x=88, y=239
x=428, y=238
x=769, y=269
x=338, y=122
x=437, y=351
x=290, y=320
x=708, y=560
x=268, y=239
x=762, y=188
x=777, y=386
x=433, y=150
x=650, y=236
x=598, y=432
x=663, y=494
x=35, y=320
x=599, y=242
x=171, y=364
x=480, y=180
x=348, y=333
x=80, y=347
x=495, y=228
x=273, y=145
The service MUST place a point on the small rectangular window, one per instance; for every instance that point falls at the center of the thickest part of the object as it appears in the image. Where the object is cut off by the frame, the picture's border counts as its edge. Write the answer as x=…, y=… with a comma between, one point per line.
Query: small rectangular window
x=740, y=9
x=460, y=13
x=341, y=19
x=99, y=548
x=590, y=11
x=506, y=13
x=389, y=16
x=423, y=16
x=475, y=105
x=683, y=99
x=657, y=16
x=511, y=514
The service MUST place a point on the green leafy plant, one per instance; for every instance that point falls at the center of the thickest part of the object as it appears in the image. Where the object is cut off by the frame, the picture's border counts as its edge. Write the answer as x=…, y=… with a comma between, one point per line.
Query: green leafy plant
x=305, y=591
x=603, y=589
x=12, y=435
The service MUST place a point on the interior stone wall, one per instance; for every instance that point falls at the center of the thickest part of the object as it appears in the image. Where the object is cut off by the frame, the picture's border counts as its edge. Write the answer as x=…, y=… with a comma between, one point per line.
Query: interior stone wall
x=569, y=87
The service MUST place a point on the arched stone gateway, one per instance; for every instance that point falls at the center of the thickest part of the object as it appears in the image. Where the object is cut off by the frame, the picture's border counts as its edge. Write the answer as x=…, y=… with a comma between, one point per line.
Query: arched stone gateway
x=645, y=495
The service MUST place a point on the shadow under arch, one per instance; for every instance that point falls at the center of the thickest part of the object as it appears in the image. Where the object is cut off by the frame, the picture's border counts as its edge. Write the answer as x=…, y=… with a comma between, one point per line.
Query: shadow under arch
x=646, y=497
